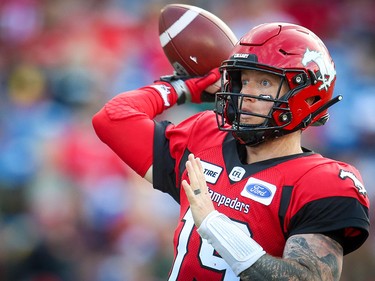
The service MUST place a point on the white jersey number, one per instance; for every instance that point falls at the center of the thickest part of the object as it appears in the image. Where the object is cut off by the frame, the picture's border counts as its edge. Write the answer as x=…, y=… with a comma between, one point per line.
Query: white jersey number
x=206, y=252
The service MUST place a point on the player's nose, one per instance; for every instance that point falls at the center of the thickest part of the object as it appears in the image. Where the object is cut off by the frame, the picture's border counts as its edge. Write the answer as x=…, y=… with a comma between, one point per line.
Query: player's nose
x=248, y=98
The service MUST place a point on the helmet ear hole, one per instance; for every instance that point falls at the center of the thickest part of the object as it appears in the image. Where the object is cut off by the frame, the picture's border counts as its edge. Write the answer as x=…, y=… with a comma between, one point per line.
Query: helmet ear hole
x=312, y=100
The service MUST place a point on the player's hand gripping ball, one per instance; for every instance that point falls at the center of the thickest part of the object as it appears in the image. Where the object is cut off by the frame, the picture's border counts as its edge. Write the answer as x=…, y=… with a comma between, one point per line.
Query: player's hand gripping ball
x=194, y=40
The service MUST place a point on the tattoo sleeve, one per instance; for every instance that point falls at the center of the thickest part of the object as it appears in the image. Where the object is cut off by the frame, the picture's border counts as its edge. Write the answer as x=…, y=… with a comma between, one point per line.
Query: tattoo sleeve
x=306, y=257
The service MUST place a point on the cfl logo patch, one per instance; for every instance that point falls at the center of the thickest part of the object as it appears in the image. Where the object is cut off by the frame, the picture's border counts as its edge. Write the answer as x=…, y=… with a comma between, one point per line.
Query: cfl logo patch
x=237, y=174
x=357, y=183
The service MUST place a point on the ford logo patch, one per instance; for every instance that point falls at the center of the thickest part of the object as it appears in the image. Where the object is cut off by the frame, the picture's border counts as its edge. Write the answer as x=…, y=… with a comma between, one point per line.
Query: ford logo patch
x=259, y=190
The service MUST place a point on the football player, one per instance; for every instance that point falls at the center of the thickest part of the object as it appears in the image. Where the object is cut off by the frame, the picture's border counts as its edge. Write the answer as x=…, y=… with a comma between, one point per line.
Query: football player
x=254, y=203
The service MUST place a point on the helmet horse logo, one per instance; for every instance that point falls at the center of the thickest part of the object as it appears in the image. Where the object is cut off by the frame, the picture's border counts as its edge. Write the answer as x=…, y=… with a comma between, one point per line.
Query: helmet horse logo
x=327, y=70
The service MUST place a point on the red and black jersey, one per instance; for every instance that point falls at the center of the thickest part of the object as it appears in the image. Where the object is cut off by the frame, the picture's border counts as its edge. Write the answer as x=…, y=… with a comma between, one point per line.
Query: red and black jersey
x=271, y=200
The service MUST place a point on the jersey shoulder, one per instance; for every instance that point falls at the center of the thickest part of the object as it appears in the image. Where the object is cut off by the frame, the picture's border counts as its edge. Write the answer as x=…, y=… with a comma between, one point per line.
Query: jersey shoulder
x=317, y=177
x=329, y=197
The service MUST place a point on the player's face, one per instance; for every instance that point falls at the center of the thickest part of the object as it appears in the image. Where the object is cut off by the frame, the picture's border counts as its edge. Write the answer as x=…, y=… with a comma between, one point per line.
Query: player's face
x=258, y=84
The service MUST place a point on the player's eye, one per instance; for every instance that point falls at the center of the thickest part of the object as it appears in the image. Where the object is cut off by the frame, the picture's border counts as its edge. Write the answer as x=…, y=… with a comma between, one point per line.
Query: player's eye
x=265, y=83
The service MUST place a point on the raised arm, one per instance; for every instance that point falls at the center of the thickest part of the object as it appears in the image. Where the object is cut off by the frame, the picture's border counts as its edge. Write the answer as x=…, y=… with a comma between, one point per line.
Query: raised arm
x=126, y=124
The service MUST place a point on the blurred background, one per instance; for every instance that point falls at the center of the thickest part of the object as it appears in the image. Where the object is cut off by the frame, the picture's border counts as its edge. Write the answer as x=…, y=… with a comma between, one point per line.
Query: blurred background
x=69, y=209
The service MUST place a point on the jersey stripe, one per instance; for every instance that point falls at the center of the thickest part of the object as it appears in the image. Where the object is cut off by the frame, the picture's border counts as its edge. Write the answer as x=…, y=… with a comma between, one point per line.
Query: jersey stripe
x=178, y=26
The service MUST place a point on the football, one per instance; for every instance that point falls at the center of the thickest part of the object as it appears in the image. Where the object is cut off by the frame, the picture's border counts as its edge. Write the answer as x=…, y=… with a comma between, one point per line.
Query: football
x=194, y=40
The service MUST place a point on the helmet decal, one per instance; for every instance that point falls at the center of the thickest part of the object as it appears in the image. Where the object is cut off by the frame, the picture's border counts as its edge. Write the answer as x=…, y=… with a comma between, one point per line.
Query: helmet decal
x=326, y=73
x=250, y=57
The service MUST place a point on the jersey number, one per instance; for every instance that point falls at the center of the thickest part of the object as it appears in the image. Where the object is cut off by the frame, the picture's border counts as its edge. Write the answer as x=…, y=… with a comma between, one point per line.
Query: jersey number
x=206, y=253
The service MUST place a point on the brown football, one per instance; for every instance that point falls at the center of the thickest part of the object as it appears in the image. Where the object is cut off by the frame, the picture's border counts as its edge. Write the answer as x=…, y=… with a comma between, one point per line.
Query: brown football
x=193, y=39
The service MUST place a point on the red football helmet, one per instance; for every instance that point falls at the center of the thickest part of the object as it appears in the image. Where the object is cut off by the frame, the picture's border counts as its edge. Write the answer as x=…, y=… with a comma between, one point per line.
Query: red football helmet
x=300, y=59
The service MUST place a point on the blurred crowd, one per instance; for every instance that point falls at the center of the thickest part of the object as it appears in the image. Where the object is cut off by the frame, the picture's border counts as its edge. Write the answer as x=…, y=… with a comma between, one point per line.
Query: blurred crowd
x=70, y=210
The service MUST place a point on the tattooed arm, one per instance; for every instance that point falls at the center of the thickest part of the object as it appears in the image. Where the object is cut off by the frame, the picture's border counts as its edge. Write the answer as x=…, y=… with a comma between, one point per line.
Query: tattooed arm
x=306, y=257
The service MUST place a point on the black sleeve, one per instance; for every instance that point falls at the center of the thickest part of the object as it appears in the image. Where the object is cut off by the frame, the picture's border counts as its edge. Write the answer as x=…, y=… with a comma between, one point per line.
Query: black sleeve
x=163, y=173
x=343, y=219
